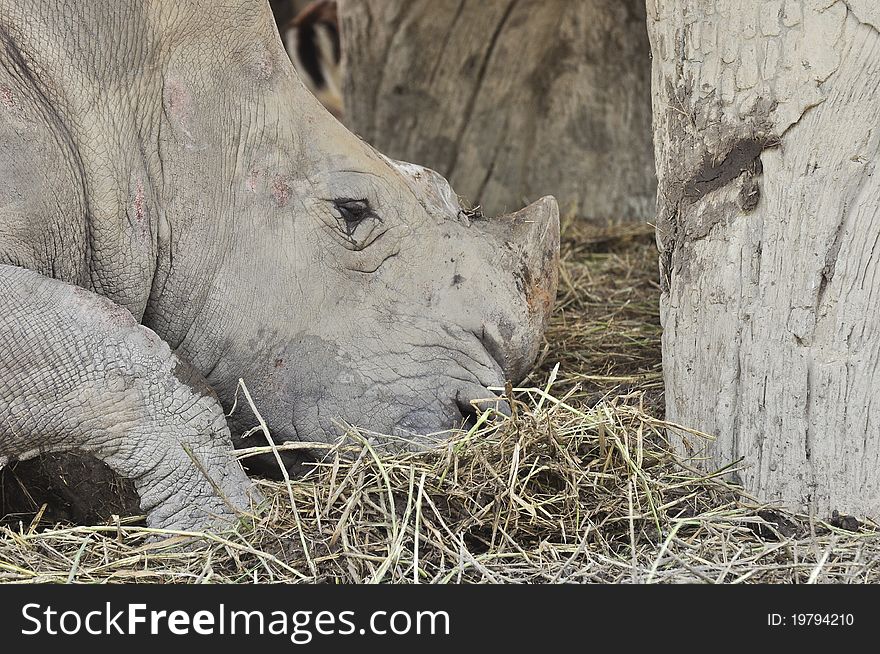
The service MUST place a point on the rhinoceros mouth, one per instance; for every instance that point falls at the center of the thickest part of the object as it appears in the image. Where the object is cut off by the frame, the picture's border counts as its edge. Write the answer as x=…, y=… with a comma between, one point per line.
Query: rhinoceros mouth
x=432, y=425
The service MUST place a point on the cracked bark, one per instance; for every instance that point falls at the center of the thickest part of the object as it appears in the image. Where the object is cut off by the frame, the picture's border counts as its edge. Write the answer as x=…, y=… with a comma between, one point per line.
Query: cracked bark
x=865, y=11
x=510, y=100
x=766, y=145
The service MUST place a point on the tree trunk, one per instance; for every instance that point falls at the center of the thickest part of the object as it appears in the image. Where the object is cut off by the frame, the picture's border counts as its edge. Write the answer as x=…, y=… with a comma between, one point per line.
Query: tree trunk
x=766, y=140
x=508, y=99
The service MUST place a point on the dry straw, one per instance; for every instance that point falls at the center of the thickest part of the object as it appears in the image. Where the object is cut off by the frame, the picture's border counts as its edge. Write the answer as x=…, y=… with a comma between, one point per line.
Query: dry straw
x=579, y=485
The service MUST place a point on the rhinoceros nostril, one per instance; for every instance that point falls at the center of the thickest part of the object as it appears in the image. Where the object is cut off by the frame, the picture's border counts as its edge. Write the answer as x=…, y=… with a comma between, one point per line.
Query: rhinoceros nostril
x=472, y=409
x=467, y=410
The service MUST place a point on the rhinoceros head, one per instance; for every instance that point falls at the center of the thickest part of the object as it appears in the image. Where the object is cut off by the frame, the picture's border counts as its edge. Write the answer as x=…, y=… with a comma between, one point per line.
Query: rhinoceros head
x=408, y=306
x=342, y=286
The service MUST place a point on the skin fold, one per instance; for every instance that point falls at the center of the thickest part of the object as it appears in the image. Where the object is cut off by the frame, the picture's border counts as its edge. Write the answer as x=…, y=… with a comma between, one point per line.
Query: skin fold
x=178, y=212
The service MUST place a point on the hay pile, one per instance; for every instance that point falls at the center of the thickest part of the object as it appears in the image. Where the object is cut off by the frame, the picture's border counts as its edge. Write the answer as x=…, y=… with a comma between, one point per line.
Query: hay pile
x=577, y=486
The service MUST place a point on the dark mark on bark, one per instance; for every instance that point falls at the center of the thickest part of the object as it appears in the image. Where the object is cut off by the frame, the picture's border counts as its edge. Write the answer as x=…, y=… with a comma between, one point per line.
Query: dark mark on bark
x=742, y=161
x=831, y=255
x=750, y=192
x=743, y=157
x=824, y=280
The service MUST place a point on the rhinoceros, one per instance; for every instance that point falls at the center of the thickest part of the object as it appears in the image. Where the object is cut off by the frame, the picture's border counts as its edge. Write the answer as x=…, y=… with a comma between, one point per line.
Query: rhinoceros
x=178, y=212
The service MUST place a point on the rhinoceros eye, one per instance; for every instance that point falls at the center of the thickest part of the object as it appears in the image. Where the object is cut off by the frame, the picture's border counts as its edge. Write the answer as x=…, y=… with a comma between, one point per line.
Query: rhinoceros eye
x=351, y=214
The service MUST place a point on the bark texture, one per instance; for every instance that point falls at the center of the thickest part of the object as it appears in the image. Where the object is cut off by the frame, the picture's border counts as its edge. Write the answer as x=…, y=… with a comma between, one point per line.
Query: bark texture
x=766, y=145
x=508, y=99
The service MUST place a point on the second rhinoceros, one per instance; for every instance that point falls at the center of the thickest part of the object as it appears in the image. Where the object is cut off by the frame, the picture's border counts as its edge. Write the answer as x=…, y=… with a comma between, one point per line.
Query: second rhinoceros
x=178, y=212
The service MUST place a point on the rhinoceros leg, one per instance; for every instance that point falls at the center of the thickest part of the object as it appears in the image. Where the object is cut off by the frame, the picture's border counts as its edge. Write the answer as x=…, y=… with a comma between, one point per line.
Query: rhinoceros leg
x=78, y=373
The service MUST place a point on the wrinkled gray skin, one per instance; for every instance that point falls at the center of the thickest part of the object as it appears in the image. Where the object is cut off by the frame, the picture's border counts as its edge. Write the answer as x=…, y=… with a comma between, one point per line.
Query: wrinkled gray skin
x=169, y=223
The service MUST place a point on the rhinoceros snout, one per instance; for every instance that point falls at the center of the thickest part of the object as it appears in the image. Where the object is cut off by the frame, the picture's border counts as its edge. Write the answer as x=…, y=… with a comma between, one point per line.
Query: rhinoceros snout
x=516, y=256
